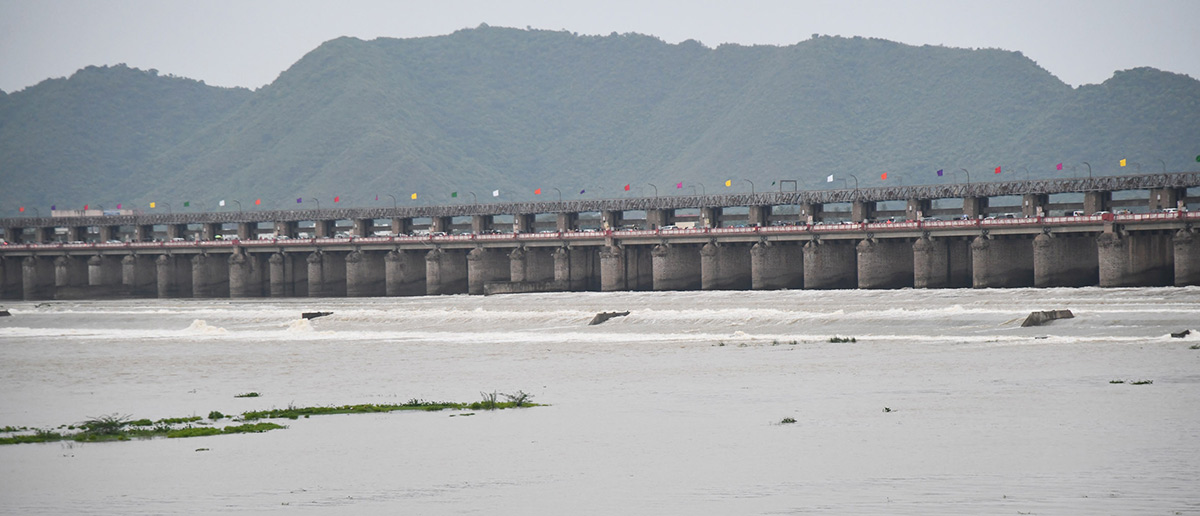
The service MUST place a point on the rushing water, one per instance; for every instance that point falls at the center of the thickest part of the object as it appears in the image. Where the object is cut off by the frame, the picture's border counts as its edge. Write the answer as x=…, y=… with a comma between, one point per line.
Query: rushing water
x=674, y=409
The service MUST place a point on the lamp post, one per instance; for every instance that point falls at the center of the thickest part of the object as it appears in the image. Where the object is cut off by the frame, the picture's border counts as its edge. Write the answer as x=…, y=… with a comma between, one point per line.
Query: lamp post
x=394, y=208
x=751, y=185
x=701, y=188
x=968, y=176
x=855, y=181
x=239, y=203
x=559, y=194
x=474, y=200
x=318, y=201
x=1026, y=169
x=1164, y=165
x=168, y=207
x=655, y=189
x=1089, y=166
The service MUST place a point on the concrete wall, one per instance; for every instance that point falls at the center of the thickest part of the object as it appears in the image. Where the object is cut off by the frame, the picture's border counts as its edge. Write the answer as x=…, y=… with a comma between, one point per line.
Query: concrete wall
x=884, y=263
x=577, y=268
x=288, y=274
x=776, y=266
x=830, y=264
x=365, y=274
x=70, y=272
x=676, y=267
x=1065, y=261
x=173, y=276
x=138, y=275
x=486, y=266
x=725, y=267
x=1001, y=262
x=626, y=268
x=326, y=274
x=941, y=263
x=404, y=273
x=249, y=275
x=1187, y=258
x=37, y=278
x=210, y=276
x=531, y=264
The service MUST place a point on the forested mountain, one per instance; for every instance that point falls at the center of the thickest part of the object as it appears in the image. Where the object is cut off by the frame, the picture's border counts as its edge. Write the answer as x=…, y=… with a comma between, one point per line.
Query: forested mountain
x=495, y=108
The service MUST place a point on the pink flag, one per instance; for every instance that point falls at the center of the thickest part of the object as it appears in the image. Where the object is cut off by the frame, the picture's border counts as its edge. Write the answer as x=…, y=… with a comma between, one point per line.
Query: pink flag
x=1060, y=166
x=336, y=198
x=679, y=184
x=118, y=206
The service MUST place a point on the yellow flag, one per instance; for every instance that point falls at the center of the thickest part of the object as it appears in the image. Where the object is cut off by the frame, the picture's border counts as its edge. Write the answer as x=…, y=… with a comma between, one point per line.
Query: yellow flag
x=728, y=182
x=1122, y=163
x=414, y=196
x=151, y=205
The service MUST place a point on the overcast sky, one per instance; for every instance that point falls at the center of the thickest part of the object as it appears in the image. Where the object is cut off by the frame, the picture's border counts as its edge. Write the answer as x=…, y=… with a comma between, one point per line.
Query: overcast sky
x=249, y=42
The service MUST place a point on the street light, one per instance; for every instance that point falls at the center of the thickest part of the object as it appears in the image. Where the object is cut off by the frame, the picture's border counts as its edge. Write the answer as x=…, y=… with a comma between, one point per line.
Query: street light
x=394, y=208
x=855, y=181
x=1164, y=165
x=751, y=185
x=318, y=201
x=239, y=203
x=701, y=188
x=1089, y=166
x=968, y=176
x=655, y=189
x=556, y=190
x=168, y=207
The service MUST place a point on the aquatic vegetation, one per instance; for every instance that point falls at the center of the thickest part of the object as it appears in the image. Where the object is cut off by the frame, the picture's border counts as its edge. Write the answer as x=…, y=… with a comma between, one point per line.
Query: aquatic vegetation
x=1142, y=382
x=215, y=415
x=255, y=428
x=787, y=421
x=248, y=395
x=837, y=340
x=1116, y=381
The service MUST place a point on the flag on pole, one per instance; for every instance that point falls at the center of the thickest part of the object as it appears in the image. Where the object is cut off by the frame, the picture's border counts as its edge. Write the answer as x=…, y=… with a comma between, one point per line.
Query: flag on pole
x=222, y=203
x=537, y=192
x=495, y=193
x=53, y=207
x=829, y=179
x=626, y=188
x=187, y=203
x=299, y=200
x=883, y=176
x=118, y=206
x=21, y=209
x=337, y=198
x=997, y=170
x=152, y=205
x=1059, y=167
x=376, y=197
x=1122, y=162
x=728, y=182
x=257, y=202
x=679, y=185
x=940, y=170
x=453, y=194
x=581, y=192
x=85, y=207
x=414, y=196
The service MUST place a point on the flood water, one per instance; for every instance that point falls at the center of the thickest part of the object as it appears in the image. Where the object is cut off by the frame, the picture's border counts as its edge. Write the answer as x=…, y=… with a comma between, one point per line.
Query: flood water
x=943, y=405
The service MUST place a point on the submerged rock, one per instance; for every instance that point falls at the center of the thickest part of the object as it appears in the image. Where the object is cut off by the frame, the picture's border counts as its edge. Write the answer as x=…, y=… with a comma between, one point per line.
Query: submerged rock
x=1179, y=335
x=314, y=315
x=1040, y=318
x=604, y=316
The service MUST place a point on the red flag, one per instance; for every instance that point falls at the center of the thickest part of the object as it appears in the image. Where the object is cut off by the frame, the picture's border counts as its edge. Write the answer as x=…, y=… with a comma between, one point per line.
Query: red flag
x=1060, y=166
x=376, y=197
x=626, y=188
x=21, y=209
x=336, y=198
x=997, y=170
x=537, y=192
x=85, y=207
x=257, y=201
x=883, y=176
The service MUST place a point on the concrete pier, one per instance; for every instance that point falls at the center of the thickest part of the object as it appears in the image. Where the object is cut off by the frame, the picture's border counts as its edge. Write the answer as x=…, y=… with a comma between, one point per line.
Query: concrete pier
x=1141, y=260
x=1187, y=258
x=1001, y=262
x=531, y=264
x=884, y=263
x=210, y=276
x=104, y=275
x=326, y=274
x=173, y=276
x=138, y=275
x=446, y=272
x=830, y=265
x=626, y=268
x=404, y=273
x=288, y=275
x=10, y=278
x=486, y=266
x=70, y=272
x=776, y=266
x=725, y=267
x=1064, y=261
x=37, y=278
x=247, y=275
x=577, y=269
x=676, y=267
x=941, y=263
x=365, y=274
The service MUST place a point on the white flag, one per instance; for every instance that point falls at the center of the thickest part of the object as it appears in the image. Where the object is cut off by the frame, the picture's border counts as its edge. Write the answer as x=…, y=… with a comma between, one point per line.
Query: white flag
x=222, y=203
x=829, y=179
x=495, y=193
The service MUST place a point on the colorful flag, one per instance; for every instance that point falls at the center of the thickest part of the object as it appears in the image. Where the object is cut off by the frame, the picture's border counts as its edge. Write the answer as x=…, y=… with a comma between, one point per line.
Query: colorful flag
x=299, y=200
x=940, y=172
x=118, y=206
x=337, y=198
x=495, y=193
x=53, y=207
x=829, y=179
x=537, y=192
x=21, y=209
x=376, y=197
x=883, y=176
x=581, y=192
x=1059, y=167
x=222, y=203
x=1122, y=162
x=453, y=194
x=997, y=170
x=626, y=188
x=151, y=205
x=1198, y=157
x=257, y=202
x=85, y=207
x=679, y=185
x=728, y=182
x=187, y=203
x=414, y=196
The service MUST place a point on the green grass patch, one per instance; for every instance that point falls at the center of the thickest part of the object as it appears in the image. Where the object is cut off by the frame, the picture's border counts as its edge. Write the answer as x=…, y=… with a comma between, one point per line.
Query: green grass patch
x=247, y=395
x=837, y=340
x=1142, y=382
x=1116, y=381
x=249, y=428
x=787, y=420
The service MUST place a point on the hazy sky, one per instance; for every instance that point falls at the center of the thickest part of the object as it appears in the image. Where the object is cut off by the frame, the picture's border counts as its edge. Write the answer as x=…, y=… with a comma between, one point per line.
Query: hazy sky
x=249, y=42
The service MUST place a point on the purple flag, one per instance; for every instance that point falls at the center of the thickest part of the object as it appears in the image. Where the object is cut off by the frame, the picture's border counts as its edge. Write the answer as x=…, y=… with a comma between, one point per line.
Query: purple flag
x=939, y=172
x=52, y=208
x=297, y=200
x=581, y=192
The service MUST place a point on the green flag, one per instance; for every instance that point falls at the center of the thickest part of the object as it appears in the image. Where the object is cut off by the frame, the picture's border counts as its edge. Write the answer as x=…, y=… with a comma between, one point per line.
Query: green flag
x=1198, y=157
x=187, y=203
x=453, y=194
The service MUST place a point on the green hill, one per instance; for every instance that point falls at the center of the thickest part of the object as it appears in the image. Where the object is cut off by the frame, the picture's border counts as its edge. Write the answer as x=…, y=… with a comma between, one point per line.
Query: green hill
x=495, y=108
